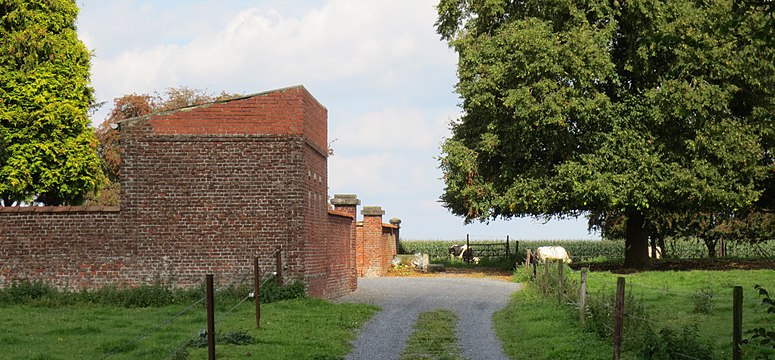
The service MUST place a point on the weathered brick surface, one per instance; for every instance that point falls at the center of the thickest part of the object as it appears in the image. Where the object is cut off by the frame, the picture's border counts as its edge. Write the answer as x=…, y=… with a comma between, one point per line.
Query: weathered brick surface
x=204, y=190
x=375, y=244
x=341, y=254
x=66, y=246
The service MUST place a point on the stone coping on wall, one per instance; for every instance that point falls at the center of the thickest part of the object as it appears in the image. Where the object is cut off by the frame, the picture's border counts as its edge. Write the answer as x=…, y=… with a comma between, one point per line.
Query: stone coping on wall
x=384, y=225
x=58, y=209
x=341, y=213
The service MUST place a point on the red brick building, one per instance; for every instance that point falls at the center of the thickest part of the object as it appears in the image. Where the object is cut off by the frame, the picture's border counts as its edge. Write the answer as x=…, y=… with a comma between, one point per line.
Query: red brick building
x=204, y=190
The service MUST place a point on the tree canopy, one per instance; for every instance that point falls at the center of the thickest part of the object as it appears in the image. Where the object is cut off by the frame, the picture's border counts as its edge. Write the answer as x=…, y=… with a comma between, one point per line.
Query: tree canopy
x=47, y=148
x=633, y=108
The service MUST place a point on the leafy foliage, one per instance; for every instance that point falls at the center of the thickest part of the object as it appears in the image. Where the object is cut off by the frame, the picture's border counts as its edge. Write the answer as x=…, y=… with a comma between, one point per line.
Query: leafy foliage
x=703, y=300
x=634, y=109
x=47, y=148
x=763, y=336
x=673, y=345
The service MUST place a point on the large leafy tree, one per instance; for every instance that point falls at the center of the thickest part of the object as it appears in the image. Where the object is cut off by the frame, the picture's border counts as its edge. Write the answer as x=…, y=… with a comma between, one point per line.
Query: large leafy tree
x=638, y=109
x=47, y=148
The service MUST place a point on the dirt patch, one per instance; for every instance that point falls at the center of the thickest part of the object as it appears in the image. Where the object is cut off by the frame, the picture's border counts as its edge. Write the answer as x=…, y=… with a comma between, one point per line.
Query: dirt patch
x=682, y=265
x=454, y=272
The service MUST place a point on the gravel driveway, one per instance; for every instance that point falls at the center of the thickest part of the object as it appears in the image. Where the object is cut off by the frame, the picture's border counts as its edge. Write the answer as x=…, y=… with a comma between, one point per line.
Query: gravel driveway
x=474, y=300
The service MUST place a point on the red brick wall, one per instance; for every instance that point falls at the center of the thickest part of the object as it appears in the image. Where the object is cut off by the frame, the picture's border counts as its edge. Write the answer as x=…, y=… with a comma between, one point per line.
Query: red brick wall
x=389, y=247
x=340, y=252
x=279, y=112
x=315, y=245
x=65, y=246
x=375, y=244
x=204, y=190
x=360, y=253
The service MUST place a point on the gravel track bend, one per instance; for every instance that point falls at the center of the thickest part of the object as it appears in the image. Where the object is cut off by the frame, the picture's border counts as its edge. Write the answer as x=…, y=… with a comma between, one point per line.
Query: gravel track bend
x=402, y=299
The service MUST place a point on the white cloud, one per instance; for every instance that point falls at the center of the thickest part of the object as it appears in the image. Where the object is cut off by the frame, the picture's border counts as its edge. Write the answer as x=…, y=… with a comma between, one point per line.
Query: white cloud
x=339, y=40
x=391, y=128
x=348, y=174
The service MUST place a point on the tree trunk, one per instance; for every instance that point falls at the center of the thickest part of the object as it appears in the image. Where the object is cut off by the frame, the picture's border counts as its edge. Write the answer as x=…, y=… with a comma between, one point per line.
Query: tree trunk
x=710, y=244
x=662, y=246
x=636, y=254
x=653, y=244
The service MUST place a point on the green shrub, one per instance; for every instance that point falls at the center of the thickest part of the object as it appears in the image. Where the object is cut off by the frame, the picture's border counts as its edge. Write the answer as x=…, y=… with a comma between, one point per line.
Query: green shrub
x=601, y=314
x=271, y=291
x=703, y=301
x=671, y=345
x=157, y=294
x=761, y=344
x=29, y=292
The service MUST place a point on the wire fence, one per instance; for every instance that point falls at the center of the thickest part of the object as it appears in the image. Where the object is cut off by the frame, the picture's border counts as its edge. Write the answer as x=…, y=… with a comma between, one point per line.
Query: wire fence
x=642, y=327
x=224, y=295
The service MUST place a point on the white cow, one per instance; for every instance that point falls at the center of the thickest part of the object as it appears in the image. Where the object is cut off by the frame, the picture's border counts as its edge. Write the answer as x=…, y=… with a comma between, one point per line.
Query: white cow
x=462, y=252
x=553, y=253
x=657, y=254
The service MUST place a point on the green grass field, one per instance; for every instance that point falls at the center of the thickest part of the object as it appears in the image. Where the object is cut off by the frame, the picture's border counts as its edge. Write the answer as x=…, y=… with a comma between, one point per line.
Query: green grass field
x=531, y=327
x=695, y=298
x=291, y=329
x=700, y=301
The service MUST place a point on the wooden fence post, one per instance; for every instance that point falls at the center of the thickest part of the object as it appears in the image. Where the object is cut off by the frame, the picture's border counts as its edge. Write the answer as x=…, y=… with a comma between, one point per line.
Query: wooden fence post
x=560, y=281
x=508, y=247
x=535, y=266
x=737, y=322
x=546, y=276
x=619, y=318
x=278, y=264
x=467, y=259
x=528, y=260
x=210, y=318
x=583, y=296
x=257, y=291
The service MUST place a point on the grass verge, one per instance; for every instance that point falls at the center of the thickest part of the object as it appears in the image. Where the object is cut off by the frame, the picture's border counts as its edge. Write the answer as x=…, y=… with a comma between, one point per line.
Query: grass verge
x=673, y=314
x=434, y=337
x=700, y=299
x=532, y=327
x=292, y=329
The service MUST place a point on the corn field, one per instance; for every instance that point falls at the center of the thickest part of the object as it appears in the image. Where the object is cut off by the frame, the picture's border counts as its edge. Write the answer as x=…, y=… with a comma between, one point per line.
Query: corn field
x=593, y=250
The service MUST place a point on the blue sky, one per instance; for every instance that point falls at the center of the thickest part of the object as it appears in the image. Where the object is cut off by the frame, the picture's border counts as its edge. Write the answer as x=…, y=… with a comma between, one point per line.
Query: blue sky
x=378, y=66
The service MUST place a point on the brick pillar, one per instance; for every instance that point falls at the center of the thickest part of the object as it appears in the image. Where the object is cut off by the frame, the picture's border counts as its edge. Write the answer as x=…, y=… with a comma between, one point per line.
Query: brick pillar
x=372, y=243
x=348, y=203
x=397, y=223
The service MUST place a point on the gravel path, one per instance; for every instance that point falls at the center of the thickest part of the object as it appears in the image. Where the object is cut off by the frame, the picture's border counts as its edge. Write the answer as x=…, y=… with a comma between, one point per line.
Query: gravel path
x=474, y=300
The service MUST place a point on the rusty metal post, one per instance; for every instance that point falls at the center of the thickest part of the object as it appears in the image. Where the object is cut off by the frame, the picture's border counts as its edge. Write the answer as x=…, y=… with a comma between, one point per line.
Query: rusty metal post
x=278, y=263
x=257, y=291
x=210, y=318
